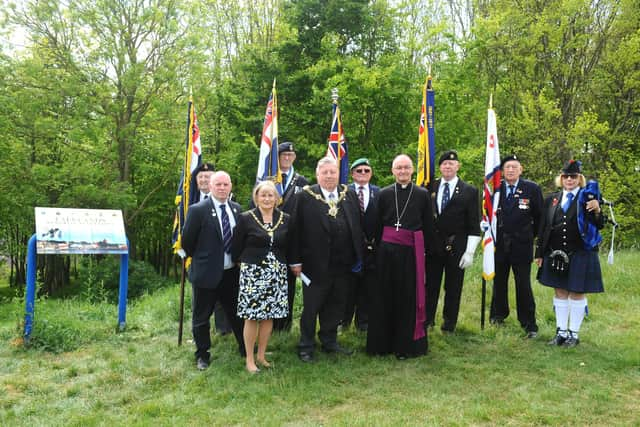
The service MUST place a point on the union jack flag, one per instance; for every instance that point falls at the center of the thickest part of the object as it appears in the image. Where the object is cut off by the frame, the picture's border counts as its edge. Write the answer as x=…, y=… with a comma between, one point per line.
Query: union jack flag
x=337, y=148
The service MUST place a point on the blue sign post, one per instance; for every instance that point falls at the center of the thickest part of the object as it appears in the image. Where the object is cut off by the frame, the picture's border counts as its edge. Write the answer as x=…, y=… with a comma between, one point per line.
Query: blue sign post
x=76, y=231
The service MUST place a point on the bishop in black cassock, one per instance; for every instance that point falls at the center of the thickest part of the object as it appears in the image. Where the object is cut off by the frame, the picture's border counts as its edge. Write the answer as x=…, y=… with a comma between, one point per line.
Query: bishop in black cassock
x=397, y=317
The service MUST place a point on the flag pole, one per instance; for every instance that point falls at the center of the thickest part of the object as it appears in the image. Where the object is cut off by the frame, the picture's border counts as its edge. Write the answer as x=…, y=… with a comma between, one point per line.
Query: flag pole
x=182, y=278
x=334, y=99
x=483, y=300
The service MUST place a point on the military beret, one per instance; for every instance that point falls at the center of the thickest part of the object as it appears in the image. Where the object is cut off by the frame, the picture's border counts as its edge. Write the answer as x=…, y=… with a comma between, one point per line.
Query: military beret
x=286, y=147
x=204, y=167
x=508, y=159
x=572, y=167
x=360, y=161
x=448, y=155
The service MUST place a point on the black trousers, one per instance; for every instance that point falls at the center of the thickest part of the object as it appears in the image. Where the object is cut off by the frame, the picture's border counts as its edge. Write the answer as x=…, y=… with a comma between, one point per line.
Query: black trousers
x=203, y=302
x=453, y=279
x=284, y=324
x=358, y=300
x=525, y=303
x=324, y=300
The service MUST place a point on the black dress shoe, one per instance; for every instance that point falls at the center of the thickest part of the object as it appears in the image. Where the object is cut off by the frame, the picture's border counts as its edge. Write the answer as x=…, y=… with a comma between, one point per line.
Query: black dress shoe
x=496, y=321
x=532, y=335
x=338, y=349
x=202, y=364
x=571, y=341
x=557, y=340
x=305, y=356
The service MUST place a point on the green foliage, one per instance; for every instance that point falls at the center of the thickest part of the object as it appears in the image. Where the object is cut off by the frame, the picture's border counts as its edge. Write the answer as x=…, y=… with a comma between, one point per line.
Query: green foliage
x=99, y=279
x=93, y=108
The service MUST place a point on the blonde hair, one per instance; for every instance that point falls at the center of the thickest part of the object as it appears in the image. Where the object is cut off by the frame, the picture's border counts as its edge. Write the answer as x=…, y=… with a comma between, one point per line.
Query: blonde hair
x=264, y=184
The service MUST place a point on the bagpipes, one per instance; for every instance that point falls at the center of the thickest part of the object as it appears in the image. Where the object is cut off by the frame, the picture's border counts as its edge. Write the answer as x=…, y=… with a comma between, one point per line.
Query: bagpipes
x=589, y=232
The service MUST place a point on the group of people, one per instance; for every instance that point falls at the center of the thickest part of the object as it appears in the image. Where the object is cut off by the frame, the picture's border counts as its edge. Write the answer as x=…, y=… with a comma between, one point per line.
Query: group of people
x=377, y=257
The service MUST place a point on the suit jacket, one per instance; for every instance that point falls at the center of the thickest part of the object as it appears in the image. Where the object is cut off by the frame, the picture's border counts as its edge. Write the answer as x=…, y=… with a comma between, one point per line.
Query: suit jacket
x=251, y=243
x=295, y=186
x=518, y=221
x=312, y=245
x=202, y=240
x=369, y=217
x=569, y=233
x=460, y=218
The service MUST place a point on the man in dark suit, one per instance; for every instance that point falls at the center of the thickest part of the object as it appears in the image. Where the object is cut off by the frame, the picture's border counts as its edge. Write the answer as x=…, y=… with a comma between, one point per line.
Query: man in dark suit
x=292, y=183
x=455, y=236
x=206, y=238
x=329, y=245
x=518, y=216
x=358, y=297
x=202, y=177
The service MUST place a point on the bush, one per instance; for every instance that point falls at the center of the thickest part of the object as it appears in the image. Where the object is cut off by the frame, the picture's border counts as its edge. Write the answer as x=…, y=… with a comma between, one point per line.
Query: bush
x=99, y=279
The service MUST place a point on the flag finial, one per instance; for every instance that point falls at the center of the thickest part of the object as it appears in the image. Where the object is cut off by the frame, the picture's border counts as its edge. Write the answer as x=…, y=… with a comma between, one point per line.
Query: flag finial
x=429, y=71
x=491, y=100
x=334, y=95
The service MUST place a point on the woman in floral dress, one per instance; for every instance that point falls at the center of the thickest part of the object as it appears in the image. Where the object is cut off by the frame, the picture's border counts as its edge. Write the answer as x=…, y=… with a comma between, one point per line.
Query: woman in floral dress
x=260, y=243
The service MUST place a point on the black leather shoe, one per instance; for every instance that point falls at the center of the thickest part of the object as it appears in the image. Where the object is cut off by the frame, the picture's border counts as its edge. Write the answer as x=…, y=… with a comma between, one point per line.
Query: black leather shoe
x=305, y=356
x=338, y=349
x=202, y=364
x=498, y=321
x=571, y=341
x=532, y=335
x=557, y=340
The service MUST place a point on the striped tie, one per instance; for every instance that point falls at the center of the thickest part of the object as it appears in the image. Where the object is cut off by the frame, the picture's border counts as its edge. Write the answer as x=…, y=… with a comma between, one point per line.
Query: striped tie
x=361, y=197
x=226, y=229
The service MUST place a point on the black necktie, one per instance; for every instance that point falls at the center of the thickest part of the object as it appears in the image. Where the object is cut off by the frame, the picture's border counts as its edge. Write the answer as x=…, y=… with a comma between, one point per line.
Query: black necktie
x=510, y=193
x=206, y=196
x=361, y=198
x=284, y=181
x=226, y=229
x=445, y=196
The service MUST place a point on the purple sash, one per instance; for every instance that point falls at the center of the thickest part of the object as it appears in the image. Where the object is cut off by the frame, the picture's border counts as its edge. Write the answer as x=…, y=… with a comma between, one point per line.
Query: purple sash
x=414, y=239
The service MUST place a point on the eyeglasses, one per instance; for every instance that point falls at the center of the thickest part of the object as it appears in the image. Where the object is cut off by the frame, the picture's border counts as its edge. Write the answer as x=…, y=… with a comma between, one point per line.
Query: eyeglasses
x=570, y=175
x=362, y=170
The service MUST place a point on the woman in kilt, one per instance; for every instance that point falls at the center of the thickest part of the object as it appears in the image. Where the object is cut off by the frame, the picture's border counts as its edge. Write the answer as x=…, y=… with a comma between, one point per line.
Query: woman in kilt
x=567, y=250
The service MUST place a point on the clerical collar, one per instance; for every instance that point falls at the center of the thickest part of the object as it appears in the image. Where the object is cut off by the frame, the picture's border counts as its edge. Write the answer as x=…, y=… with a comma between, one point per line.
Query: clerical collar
x=403, y=186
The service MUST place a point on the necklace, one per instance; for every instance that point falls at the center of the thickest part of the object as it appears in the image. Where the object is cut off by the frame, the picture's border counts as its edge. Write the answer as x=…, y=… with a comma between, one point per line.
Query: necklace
x=399, y=215
x=270, y=229
x=333, y=205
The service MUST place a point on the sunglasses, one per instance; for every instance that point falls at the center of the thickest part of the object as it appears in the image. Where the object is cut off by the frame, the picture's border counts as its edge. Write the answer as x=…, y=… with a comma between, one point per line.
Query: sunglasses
x=570, y=175
x=363, y=170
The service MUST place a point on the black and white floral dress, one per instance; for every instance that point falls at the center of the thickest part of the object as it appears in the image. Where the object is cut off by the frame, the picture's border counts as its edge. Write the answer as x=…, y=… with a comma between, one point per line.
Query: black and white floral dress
x=263, y=292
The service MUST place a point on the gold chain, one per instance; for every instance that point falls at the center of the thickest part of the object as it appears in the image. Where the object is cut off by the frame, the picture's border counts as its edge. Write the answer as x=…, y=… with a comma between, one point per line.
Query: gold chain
x=333, y=206
x=268, y=229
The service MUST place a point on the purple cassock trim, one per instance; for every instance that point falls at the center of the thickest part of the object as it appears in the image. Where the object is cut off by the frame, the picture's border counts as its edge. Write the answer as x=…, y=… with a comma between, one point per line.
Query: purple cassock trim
x=414, y=239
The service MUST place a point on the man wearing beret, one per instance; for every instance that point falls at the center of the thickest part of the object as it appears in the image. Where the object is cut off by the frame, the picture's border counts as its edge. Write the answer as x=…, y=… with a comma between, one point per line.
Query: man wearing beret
x=358, y=298
x=456, y=234
x=292, y=183
x=201, y=176
x=518, y=218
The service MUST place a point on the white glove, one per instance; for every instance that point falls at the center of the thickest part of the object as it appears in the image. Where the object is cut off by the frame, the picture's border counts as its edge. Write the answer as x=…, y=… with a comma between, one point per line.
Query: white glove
x=485, y=225
x=181, y=253
x=467, y=257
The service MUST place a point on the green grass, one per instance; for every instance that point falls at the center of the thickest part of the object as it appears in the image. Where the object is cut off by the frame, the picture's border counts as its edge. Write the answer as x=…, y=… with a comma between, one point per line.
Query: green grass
x=79, y=371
